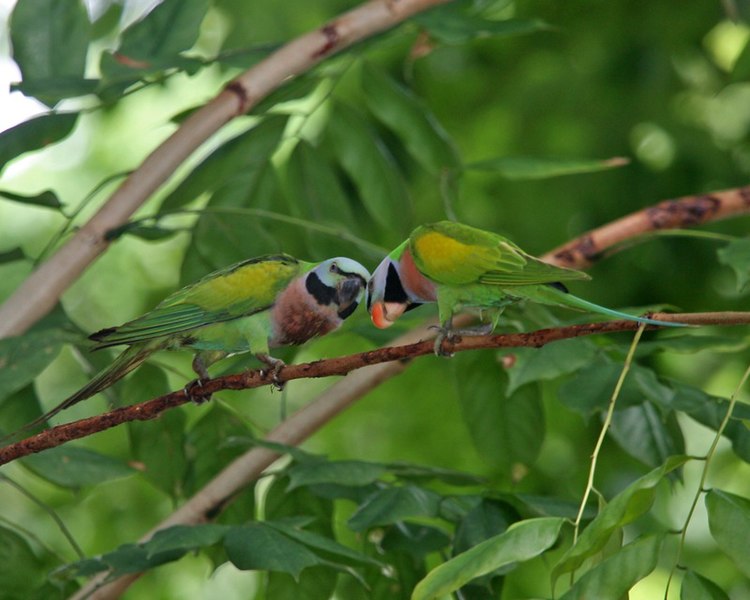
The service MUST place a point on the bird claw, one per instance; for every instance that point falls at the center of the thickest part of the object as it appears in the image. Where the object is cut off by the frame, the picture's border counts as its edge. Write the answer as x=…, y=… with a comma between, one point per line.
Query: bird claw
x=190, y=390
x=275, y=365
x=444, y=333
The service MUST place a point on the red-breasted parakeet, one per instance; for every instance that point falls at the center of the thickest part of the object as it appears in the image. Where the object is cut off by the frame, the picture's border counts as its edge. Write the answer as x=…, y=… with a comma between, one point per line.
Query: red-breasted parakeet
x=462, y=267
x=251, y=306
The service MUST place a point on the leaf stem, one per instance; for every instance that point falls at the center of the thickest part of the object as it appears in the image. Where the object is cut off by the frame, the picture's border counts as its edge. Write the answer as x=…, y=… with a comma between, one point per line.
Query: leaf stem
x=704, y=474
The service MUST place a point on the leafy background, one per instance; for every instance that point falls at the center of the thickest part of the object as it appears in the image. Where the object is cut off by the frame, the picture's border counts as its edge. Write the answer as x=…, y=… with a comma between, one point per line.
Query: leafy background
x=505, y=115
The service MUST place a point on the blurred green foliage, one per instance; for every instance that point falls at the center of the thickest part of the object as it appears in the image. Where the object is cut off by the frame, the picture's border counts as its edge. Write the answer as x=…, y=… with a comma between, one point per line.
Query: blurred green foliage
x=536, y=119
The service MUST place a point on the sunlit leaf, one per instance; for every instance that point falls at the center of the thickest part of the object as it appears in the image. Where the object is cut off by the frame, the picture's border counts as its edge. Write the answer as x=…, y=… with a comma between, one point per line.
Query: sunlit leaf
x=73, y=467
x=39, y=30
x=395, y=504
x=697, y=587
x=522, y=541
x=614, y=576
x=373, y=170
x=35, y=133
x=524, y=168
x=624, y=508
x=729, y=521
x=410, y=119
x=736, y=255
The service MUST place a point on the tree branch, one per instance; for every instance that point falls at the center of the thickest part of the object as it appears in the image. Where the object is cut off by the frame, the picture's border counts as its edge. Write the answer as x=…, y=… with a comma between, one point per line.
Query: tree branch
x=687, y=211
x=342, y=365
x=43, y=288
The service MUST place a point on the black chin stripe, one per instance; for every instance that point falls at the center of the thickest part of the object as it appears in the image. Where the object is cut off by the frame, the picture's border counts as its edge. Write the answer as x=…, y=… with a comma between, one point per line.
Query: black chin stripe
x=559, y=286
x=319, y=290
x=394, y=291
x=346, y=312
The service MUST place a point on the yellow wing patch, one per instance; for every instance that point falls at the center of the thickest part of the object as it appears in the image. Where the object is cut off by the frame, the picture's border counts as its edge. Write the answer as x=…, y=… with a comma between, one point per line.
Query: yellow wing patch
x=444, y=258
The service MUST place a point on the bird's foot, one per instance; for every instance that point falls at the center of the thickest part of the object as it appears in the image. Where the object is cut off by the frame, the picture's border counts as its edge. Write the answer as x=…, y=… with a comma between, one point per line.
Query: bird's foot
x=275, y=365
x=444, y=333
x=194, y=390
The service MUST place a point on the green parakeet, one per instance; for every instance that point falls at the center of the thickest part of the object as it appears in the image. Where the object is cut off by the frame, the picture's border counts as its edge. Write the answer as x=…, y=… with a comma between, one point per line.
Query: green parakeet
x=462, y=267
x=254, y=305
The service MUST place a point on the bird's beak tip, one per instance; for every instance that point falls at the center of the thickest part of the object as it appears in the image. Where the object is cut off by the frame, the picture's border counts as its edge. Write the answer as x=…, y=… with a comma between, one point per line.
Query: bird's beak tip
x=378, y=316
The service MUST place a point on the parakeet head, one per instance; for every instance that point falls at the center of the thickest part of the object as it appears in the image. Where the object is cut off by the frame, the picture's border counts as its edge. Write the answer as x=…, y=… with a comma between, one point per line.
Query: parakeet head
x=395, y=287
x=339, y=281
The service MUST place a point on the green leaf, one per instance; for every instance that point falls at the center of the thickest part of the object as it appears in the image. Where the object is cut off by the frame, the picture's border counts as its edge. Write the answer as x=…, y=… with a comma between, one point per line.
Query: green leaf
x=506, y=430
x=697, y=587
x=487, y=519
x=413, y=472
x=159, y=444
x=73, y=467
x=259, y=546
x=415, y=540
x=250, y=150
x=373, y=170
x=47, y=198
x=624, y=508
x=128, y=558
x=20, y=569
x=527, y=168
x=644, y=434
x=741, y=68
x=395, y=504
x=185, y=538
x=23, y=357
x=729, y=522
x=40, y=30
x=613, y=577
x=35, y=133
x=454, y=25
x=315, y=583
x=736, y=255
x=548, y=362
x=12, y=255
x=408, y=117
x=343, y=472
x=522, y=541
x=156, y=40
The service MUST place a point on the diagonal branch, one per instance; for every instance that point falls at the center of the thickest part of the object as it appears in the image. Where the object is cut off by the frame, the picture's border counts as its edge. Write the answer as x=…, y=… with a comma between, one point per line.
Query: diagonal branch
x=342, y=365
x=43, y=288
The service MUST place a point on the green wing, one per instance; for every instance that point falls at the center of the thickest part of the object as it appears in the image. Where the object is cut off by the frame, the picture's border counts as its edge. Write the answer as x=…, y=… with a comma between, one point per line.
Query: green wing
x=243, y=289
x=455, y=254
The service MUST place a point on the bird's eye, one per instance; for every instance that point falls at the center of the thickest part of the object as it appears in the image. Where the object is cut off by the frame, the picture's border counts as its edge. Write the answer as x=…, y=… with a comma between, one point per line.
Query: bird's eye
x=334, y=268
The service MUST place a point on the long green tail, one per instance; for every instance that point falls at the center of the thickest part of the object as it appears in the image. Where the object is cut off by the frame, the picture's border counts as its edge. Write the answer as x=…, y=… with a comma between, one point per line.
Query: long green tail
x=546, y=294
x=122, y=365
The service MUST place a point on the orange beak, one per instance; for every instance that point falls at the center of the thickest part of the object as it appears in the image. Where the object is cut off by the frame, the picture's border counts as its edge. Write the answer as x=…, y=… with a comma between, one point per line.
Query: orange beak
x=384, y=314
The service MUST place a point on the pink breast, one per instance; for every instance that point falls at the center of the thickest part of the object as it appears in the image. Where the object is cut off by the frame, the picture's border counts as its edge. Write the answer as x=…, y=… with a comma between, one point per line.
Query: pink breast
x=413, y=281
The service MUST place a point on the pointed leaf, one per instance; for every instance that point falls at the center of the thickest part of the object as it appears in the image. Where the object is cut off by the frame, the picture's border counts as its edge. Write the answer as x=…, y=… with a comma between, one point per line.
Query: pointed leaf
x=729, y=522
x=395, y=504
x=522, y=541
x=527, y=168
x=321, y=543
x=736, y=255
x=73, y=467
x=23, y=357
x=342, y=472
x=697, y=587
x=613, y=577
x=549, y=361
x=624, y=508
x=373, y=170
x=259, y=546
x=35, y=133
x=185, y=538
x=644, y=434
x=40, y=30
x=48, y=199
x=408, y=118
x=506, y=430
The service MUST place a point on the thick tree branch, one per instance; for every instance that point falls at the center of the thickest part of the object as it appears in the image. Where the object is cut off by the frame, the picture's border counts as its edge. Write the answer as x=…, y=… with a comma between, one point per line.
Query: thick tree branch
x=687, y=211
x=44, y=287
x=342, y=365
